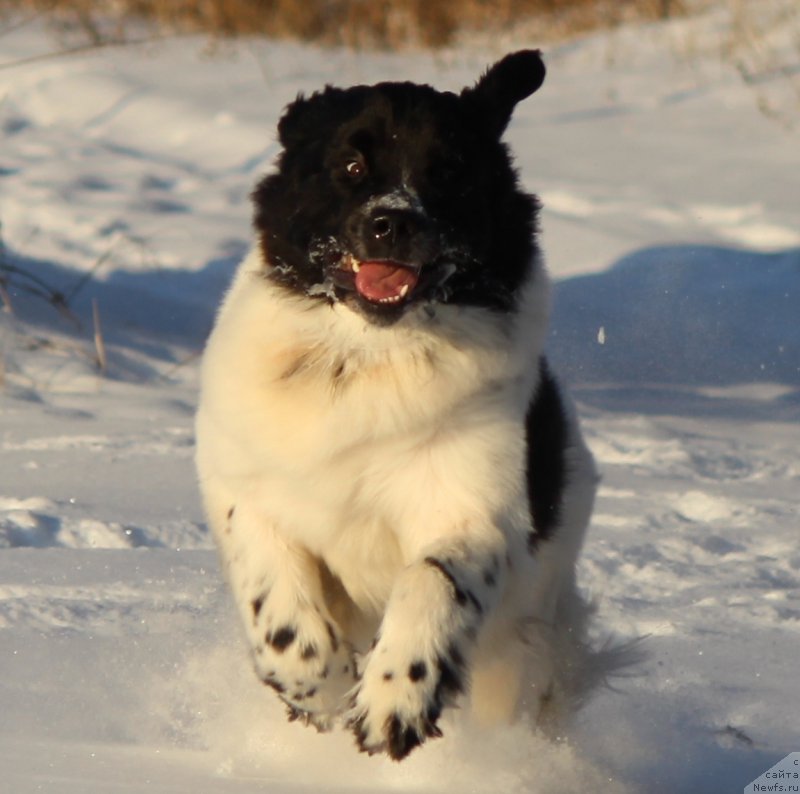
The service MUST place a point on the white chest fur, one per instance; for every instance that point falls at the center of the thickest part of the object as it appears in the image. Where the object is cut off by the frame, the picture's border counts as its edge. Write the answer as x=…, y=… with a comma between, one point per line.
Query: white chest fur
x=355, y=439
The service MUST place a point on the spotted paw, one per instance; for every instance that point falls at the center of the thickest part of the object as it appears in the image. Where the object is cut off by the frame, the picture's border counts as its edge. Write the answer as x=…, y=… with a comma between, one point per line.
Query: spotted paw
x=321, y=720
x=400, y=698
x=302, y=656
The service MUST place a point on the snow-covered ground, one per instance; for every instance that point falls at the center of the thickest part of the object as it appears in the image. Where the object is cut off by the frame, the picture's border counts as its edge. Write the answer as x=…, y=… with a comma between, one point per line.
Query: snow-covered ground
x=672, y=226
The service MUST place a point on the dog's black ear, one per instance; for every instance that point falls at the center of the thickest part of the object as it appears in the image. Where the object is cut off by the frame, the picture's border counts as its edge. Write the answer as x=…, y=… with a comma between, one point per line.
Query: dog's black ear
x=509, y=81
x=310, y=119
x=298, y=117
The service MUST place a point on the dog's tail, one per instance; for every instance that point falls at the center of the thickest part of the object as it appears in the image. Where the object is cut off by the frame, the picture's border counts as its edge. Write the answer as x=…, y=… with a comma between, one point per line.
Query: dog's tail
x=568, y=666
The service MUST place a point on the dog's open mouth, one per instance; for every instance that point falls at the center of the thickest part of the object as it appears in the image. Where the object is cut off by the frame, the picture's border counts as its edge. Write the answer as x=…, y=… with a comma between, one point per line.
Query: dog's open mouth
x=383, y=281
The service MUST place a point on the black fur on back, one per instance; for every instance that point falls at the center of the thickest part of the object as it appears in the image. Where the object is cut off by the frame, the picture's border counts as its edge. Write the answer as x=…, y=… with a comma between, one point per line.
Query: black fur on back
x=439, y=152
x=546, y=436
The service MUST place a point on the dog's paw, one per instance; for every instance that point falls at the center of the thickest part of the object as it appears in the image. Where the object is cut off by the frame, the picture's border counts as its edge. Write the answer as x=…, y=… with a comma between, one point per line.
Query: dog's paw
x=400, y=698
x=303, y=657
x=323, y=721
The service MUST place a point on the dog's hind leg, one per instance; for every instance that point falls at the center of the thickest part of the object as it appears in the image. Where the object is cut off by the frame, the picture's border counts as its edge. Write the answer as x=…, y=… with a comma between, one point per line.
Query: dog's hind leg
x=497, y=673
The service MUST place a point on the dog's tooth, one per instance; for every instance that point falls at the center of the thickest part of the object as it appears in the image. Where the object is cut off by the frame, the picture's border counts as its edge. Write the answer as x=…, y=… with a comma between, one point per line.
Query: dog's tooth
x=403, y=291
x=355, y=264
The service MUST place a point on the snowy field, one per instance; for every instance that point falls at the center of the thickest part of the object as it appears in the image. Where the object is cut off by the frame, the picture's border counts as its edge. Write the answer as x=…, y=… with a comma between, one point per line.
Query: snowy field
x=672, y=227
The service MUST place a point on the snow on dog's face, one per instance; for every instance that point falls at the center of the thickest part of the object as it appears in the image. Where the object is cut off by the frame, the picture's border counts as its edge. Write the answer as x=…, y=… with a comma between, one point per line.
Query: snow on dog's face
x=397, y=195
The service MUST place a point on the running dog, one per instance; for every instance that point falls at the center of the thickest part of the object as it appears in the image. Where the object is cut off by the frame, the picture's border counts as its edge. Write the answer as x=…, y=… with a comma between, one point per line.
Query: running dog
x=396, y=482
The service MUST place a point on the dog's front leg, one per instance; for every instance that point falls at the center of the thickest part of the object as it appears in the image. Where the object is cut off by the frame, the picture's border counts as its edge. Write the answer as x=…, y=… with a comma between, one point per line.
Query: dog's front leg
x=298, y=649
x=418, y=664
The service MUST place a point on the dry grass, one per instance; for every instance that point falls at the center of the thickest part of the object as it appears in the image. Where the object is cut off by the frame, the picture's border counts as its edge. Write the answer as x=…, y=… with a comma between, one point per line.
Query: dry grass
x=357, y=23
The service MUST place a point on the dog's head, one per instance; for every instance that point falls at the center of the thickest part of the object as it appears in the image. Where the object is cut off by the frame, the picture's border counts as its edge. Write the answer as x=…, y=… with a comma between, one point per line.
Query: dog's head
x=397, y=195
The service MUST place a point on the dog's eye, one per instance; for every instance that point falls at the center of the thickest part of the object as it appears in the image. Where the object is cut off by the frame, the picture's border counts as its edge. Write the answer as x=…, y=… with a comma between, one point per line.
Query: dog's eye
x=355, y=169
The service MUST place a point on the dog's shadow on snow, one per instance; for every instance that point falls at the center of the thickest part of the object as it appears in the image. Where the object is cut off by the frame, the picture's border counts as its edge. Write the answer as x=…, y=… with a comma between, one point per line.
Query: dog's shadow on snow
x=665, y=326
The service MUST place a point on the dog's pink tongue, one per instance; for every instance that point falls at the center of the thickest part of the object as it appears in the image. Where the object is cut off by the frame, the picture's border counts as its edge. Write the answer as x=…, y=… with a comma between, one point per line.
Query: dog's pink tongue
x=379, y=281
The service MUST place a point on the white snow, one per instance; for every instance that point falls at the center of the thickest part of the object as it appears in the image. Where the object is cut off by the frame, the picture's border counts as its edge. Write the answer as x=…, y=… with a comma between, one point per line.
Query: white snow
x=671, y=225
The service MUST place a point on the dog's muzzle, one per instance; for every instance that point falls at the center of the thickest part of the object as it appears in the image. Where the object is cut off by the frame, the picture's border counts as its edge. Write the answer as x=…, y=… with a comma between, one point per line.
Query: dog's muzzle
x=391, y=242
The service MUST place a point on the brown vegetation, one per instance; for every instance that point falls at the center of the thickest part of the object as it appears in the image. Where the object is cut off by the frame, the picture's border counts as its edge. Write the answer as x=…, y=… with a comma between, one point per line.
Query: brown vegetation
x=360, y=23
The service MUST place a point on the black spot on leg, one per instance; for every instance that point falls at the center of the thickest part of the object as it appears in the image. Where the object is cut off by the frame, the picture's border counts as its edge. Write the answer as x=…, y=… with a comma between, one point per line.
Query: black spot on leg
x=357, y=726
x=309, y=652
x=230, y=512
x=402, y=738
x=388, y=676
x=456, y=656
x=474, y=601
x=417, y=671
x=256, y=604
x=333, y=637
x=450, y=682
x=432, y=730
x=458, y=593
x=283, y=638
x=277, y=686
x=489, y=579
x=451, y=675
x=450, y=668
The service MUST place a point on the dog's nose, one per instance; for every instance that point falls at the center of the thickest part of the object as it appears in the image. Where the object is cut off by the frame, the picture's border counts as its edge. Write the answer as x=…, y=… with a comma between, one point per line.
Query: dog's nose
x=393, y=225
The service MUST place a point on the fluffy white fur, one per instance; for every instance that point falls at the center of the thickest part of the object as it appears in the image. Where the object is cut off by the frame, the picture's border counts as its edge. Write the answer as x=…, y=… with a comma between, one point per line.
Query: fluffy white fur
x=336, y=457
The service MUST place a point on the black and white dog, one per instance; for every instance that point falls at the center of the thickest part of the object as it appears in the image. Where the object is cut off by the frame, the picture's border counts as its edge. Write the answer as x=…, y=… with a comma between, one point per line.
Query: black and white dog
x=397, y=485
